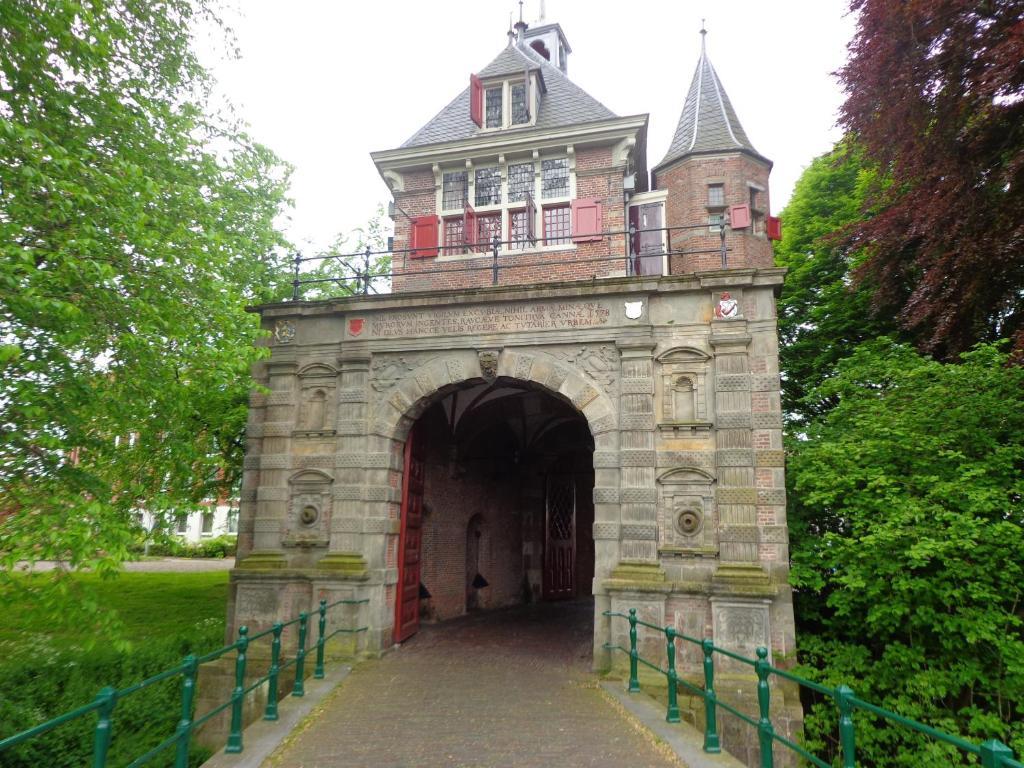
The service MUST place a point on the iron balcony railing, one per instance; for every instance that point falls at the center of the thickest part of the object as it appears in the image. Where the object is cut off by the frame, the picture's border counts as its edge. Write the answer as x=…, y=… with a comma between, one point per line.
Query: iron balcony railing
x=992, y=753
x=105, y=703
x=361, y=278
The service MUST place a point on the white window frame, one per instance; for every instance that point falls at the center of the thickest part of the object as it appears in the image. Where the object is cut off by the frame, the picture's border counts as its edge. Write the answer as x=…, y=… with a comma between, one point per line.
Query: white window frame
x=506, y=102
x=502, y=163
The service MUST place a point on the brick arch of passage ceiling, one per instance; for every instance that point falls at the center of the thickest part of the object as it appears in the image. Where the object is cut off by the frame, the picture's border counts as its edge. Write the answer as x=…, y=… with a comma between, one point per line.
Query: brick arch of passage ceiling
x=434, y=379
x=530, y=414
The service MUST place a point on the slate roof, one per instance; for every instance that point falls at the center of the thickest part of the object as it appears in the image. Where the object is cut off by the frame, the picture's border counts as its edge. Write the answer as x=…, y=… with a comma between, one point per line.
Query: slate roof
x=708, y=122
x=563, y=103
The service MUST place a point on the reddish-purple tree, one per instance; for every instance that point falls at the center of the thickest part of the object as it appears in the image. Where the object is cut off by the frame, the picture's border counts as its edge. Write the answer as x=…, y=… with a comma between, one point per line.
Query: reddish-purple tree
x=935, y=95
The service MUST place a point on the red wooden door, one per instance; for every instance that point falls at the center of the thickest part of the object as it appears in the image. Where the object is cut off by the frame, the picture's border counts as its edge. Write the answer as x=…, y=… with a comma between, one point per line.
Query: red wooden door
x=560, y=537
x=410, y=540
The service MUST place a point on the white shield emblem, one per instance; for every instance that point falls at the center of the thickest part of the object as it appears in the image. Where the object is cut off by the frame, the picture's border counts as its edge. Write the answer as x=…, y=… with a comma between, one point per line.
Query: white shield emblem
x=634, y=309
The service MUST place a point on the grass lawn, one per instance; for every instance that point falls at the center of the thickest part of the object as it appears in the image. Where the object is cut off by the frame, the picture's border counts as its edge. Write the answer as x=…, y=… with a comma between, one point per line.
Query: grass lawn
x=151, y=605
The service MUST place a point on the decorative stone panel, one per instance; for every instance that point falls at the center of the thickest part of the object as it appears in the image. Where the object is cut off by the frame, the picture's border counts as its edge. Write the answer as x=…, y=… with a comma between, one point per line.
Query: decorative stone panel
x=687, y=519
x=732, y=382
x=309, y=510
x=740, y=626
x=771, y=420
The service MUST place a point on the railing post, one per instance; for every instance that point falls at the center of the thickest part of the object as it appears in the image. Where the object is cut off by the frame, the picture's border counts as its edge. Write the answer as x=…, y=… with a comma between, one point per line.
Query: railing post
x=295, y=280
x=847, y=738
x=238, y=694
x=711, y=741
x=107, y=698
x=318, y=671
x=634, y=654
x=993, y=753
x=275, y=670
x=188, y=692
x=495, y=242
x=672, y=714
x=300, y=657
x=764, y=701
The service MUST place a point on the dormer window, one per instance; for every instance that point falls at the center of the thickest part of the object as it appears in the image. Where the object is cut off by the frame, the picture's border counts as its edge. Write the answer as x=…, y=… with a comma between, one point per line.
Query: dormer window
x=520, y=105
x=502, y=104
x=494, y=107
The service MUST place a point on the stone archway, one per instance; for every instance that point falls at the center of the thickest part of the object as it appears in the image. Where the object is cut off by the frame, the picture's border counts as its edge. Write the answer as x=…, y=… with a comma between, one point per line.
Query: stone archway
x=400, y=406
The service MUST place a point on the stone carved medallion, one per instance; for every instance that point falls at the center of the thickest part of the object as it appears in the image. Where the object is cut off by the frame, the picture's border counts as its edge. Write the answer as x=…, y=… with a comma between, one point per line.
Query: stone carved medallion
x=689, y=517
x=488, y=365
x=385, y=372
x=284, y=331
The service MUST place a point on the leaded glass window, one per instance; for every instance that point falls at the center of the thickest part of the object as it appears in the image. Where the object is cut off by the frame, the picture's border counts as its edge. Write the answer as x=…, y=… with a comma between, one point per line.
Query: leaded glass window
x=556, y=225
x=555, y=178
x=716, y=194
x=520, y=181
x=520, y=109
x=492, y=108
x=488, y=186
x=519, y=229
x=453, y=193
x=453, y=240
x=487, y=226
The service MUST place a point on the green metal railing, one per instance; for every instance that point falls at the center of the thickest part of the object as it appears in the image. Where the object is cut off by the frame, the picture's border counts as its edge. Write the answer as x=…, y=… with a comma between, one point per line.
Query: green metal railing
x=106, y=700
x=992, y=753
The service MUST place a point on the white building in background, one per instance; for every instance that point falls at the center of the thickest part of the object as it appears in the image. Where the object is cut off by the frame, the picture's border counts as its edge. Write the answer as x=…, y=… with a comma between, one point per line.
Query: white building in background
x=218, y=518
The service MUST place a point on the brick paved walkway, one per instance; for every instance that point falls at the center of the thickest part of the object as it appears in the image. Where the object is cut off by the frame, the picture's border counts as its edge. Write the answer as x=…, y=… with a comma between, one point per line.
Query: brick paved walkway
x=510, y=688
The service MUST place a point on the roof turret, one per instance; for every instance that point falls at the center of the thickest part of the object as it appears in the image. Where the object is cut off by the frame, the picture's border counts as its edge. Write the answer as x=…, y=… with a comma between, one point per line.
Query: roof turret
x=708, y=122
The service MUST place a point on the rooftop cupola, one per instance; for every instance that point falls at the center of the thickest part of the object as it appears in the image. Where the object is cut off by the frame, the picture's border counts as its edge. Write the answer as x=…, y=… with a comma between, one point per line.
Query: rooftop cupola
x=548, y=40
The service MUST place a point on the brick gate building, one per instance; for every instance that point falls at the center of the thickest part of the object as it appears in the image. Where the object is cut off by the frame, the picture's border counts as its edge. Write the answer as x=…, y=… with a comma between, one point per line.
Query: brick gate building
x=567, y=393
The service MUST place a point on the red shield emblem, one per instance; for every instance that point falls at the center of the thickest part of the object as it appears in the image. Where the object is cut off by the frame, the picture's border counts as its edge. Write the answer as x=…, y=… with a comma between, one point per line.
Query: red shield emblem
x=355, y=326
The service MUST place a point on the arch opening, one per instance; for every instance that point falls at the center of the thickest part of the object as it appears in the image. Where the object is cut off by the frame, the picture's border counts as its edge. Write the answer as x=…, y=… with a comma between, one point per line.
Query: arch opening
x=506, y=498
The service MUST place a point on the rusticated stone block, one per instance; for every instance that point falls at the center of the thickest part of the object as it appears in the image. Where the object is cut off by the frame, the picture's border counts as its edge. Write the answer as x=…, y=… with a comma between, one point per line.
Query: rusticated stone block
x=644, y=386
x=606, y=530
x=737, y=496
x=606, y=495
x=638, y=495
x=735, y=457
x=769, y=458
x=604, y=459
x=632, y=457
x=770, y=420
x=640, y=422
x=732, y=382
x=775, y=496
x=639, y=531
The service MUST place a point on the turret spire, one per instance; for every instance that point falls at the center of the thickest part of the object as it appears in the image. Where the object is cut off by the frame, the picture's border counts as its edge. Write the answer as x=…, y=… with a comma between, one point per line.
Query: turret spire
x=708, y=122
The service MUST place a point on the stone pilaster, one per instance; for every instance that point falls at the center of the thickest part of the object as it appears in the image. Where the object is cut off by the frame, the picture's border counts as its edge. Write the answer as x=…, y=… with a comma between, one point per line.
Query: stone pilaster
x=638, y=493
x=274, y=463
x=345, y=552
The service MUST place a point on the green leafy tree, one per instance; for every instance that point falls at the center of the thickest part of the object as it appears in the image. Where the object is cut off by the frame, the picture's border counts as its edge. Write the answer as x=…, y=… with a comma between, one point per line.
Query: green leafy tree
x=356, y=262
x=909, y=492
x=823, y=312
x=134, y=228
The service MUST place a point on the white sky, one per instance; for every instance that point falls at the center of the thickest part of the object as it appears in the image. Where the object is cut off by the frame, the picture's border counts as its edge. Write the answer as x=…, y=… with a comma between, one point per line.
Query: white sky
x=325, y=83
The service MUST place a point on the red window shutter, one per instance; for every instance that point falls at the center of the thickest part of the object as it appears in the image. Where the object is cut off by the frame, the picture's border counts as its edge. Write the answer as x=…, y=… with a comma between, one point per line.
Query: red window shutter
x=476, y=100
x=531, y=219
x=586, y=220
x=424, y=237
x=773, y=226
x=739, y=216
x=469, y=226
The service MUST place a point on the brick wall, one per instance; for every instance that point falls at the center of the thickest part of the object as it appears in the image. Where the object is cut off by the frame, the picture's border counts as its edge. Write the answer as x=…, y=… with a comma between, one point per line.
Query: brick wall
x=687, y=185
x=596, y=177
